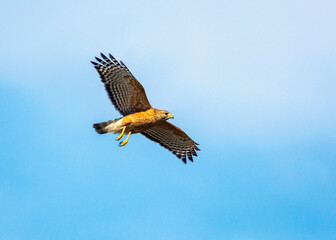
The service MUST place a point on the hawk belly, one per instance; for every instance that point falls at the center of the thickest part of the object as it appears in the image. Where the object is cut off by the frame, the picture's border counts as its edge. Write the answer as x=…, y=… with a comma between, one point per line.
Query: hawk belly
x=135, y=123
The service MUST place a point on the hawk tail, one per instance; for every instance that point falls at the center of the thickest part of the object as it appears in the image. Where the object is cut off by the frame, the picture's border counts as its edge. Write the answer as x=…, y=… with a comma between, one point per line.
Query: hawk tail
x=101, y=127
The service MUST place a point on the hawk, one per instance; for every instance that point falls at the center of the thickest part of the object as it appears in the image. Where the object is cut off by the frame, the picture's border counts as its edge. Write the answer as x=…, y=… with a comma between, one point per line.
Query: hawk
x=129, y=98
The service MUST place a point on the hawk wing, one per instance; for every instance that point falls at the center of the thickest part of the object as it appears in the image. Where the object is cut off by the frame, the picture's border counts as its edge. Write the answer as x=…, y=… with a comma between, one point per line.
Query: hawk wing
x=174, y=139
x=126, y=93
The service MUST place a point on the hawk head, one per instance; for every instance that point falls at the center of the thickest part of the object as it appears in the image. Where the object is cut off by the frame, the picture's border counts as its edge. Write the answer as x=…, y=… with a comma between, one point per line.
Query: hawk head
x=163, y=115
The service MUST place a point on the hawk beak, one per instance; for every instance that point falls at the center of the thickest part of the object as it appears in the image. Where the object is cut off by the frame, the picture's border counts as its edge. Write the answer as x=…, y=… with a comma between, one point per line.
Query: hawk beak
x=171, y=116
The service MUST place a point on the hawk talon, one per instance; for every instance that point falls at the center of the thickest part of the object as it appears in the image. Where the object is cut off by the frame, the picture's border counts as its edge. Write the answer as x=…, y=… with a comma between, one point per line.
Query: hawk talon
x=121, y=134
x=123, y=143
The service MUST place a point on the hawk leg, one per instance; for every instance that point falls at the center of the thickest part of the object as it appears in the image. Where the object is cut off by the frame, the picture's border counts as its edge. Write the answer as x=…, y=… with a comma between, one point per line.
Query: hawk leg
x=125, y=141
x=121, y=134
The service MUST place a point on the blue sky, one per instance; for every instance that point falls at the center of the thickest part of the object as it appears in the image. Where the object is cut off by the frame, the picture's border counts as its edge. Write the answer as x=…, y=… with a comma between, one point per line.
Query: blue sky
x=252, y=82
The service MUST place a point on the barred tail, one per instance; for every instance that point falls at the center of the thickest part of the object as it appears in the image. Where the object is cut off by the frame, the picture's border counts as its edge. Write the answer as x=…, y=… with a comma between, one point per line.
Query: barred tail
x=101, y=127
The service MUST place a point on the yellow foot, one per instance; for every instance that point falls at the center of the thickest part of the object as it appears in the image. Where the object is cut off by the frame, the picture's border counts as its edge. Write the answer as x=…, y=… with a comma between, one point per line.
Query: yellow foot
x=121, y=134
x=123, y=143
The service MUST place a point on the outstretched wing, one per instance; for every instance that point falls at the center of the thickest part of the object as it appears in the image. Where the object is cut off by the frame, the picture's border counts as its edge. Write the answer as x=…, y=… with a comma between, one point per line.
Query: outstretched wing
x=174, y=139
x=126, y=93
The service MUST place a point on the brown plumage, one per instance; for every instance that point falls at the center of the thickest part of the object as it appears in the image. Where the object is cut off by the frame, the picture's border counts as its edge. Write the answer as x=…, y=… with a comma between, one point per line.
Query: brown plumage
x=129, y=98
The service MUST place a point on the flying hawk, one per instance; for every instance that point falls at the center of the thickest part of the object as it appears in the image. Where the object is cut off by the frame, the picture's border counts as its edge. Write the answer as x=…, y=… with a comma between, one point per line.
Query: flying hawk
x=129, y=98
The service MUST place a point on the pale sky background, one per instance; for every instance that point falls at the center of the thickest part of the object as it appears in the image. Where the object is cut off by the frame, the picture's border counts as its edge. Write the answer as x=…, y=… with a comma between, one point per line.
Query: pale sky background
x=253, y=82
